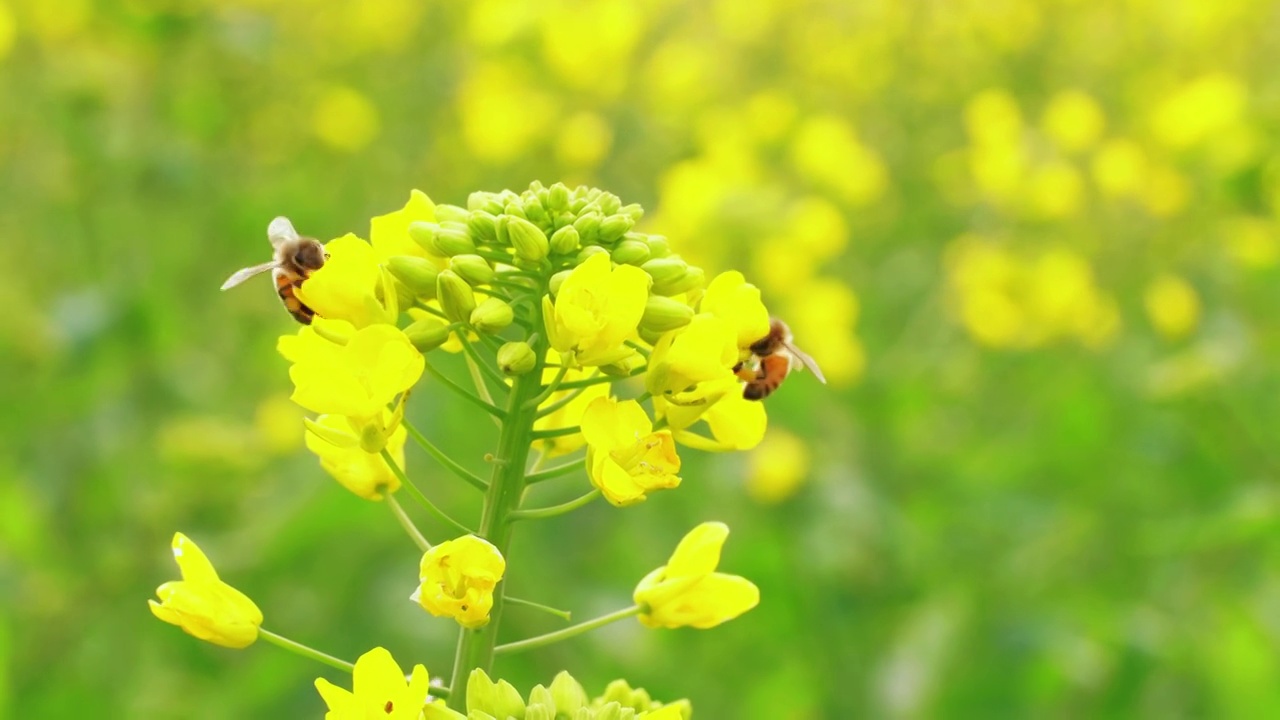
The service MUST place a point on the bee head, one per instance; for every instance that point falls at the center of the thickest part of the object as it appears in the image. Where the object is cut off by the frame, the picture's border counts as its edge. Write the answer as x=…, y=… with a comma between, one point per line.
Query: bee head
x=309, y=256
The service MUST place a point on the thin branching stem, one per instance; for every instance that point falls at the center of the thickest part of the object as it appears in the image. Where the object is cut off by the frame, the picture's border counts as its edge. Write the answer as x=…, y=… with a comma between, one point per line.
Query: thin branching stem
x=565, y=634
x=555, y=472
x=305, y=651
x=413, y=490
x=447, y=462
x=407, y=523
x=486, y=405
x=555, y=433
x=485, y=367
x=600, y=379
x=565, y=614
x=572, y=394
x=548, y=389
x=554, y=510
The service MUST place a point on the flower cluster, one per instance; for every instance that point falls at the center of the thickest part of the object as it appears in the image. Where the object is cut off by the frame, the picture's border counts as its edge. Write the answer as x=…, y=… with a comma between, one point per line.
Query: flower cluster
x=588, y=341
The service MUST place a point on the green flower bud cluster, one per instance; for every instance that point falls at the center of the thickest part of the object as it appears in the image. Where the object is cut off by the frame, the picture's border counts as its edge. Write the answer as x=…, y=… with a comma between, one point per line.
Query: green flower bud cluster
x=565, y=698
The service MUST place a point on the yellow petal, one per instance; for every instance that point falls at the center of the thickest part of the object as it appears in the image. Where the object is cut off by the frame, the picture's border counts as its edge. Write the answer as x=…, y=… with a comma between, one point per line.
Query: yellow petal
x=699, y=551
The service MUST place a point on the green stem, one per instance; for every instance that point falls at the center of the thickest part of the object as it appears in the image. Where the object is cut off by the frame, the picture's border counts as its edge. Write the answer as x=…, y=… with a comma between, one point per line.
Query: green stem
x=555, y=472
x=303, y=650
x=407, y=523
x=465, y=393
x=539, y=606
x=413, y=490
x=448, y=462
x=506, y=486
x=601, y=379
x=557, y=432
x=569, y=397
x=554, y=510
x=486, y=368
x=548, y=390
x=565, y=634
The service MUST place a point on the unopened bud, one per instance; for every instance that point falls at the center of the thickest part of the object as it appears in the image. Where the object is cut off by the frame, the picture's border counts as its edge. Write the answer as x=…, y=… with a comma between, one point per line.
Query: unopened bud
x=558, y=197
x=451, y=213
x=633, y=211
x=665, y=271
x=568, y=694
x=424, y=233
x=588, y=225
x=539, y=711
x=482, y=226
x=658, y=246
x=486, y=201
x=491, y=315
x=662, y=314
x=588, y=251
x=565, y=240
x=472, y=268
x=373, y=438
x=693, y=279
x=498, y=699
x=614, y=711
x=417, y=273
x=456, y=298
x=630, y=252
x=529, y=242
x=534, y=211
x=614, y=227
x=427, y=334
x=557, y=280
x=514, y=208
x=516, y=358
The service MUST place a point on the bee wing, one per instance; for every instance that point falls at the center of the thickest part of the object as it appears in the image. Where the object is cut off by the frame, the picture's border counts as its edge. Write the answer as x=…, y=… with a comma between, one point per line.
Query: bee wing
x=281, y=231
x=246, y=273
x=808, y=362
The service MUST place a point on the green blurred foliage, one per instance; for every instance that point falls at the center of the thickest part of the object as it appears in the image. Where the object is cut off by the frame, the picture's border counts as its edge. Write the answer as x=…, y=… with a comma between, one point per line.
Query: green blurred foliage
x=1034, y=243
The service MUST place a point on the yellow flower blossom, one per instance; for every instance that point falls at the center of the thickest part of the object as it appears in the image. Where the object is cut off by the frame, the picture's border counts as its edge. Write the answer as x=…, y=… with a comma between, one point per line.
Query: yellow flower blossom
x=364, y=473
x=389, y=234
x=596, y=311
x=379, y=689
x=735, y=422
x=344, y=288
x=204, y=606
x=625, y=458
x=732, y=299
x=777, y=468
x=706, y=349
x=458, y=578
x=1073, y=120
x=358, y=379
x=687, y=592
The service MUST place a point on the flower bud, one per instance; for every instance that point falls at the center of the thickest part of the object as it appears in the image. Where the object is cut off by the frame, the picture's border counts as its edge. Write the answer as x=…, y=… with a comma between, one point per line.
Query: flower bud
x=499, y=699
x=587, y=252
x=630, y=252
x=491, y=316
x=658, y=246
x=665, y=271
x=424, y=233
x=451, y=213
x=373, y=438
x=633, y=211
x=472, y=268
x=694, y=278
x=558, y=197
x=486, y=201
x=662, y=314
x=529, y=242
x=417, y=273
x=539, y=711
x=427, y=334
x=568, y=694
x=456, y=298
x=514, y=208
x=557, y=280
x=588, y=226
x=565, y=240
x=609, y=203
x=614, y=227
x=516, y=358
x=614, y=711
x=482, y=226
x=534, y=211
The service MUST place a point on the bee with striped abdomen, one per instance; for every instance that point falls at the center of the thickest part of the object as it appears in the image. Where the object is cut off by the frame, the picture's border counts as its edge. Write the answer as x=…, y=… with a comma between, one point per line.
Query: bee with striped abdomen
x=295, y=258
x=773, y=357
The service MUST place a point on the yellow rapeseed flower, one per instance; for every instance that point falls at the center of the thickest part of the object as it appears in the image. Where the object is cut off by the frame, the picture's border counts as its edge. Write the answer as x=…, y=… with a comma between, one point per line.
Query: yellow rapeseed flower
x=458, y=578
x=625, y=458
x=570, y=413
x=389, y=234
x=704, y=350
x=364, y=473
x=735, y=422
x=1073, y=120
x=596, y=311
x=777, y=468
x=1172, y=306
x=732, y=299
x=204, y=606
x=344, y=289
x=358, y=379
x=379, y=689
x=687, y=592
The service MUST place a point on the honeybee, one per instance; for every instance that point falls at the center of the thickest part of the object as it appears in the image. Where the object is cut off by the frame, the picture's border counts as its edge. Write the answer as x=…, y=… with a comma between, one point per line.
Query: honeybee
x=775, y=357
x=295, y=258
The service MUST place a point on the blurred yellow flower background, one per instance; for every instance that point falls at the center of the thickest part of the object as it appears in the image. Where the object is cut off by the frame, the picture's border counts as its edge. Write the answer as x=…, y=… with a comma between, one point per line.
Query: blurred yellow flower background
x=1033, y=244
